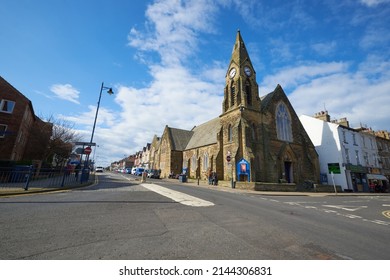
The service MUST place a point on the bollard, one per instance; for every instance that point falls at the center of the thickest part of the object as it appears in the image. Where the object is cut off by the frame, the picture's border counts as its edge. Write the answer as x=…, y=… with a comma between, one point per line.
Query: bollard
x=143, y=177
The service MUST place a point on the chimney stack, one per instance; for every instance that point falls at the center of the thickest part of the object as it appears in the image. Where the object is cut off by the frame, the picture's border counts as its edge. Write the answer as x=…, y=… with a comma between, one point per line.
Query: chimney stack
x=323, y=115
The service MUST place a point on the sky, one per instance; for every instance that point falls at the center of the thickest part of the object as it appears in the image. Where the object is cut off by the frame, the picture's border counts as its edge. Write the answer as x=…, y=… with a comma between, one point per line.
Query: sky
x=166, y=61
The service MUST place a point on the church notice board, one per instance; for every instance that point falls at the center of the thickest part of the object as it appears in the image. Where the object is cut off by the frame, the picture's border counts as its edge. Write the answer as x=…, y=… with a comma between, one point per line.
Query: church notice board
x=243, y=170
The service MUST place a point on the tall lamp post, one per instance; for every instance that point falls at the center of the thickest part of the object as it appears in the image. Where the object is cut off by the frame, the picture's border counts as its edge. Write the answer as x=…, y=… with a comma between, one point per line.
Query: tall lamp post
x=109, y=91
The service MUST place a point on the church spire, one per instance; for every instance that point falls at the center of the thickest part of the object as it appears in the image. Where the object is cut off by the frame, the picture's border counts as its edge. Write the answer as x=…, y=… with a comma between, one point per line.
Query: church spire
x=239, y=53
x=241, y=89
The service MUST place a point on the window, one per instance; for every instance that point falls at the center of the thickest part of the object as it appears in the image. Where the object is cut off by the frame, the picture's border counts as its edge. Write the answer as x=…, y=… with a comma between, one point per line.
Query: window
x=193, y=163
x=366, y=159
x=230, y=133
x=7, y=106
x=357, y=157
x=345, y=137
x=205, y=162
x=283, y=123
x=347, y=155
x=233, y=95
x=3, y=129
x=354, y=139
x=248, y=93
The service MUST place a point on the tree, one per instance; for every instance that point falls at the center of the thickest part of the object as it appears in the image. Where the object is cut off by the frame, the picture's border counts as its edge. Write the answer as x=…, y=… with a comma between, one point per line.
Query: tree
x=62, y=141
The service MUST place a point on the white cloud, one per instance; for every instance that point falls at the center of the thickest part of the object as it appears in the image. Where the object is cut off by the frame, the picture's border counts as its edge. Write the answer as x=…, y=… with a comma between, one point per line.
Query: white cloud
x=176, y=97
x=373, y=3
x=344, y=93
x=172, y=27
x=324, y=48
x=66, y=92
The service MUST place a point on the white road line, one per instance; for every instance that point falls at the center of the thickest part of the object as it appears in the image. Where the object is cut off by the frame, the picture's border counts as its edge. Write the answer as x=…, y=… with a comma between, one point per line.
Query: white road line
x=346, y=207
x=182, y=198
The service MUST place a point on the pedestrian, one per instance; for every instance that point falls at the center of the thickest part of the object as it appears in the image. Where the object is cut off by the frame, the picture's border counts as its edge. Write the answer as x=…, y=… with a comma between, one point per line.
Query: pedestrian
x=215, y=178
x=209, y=176
x=77, y=170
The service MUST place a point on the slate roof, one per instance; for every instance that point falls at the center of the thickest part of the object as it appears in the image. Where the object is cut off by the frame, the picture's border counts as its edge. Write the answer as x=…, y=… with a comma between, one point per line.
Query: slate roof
x=204, y=134
x=180, y=138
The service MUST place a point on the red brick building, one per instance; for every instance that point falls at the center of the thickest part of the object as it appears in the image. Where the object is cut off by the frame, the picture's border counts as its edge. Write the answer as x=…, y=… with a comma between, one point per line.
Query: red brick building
x=23, y=136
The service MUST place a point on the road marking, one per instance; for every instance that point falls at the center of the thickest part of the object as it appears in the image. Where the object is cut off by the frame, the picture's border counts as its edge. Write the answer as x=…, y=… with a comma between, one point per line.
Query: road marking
x=386, y=213
x=345, y=207
x=379, y=222
x=352, y=216
x=182, y=198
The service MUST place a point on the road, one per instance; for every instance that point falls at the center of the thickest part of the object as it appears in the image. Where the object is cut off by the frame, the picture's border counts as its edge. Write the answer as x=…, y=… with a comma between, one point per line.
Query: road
x=119, y=218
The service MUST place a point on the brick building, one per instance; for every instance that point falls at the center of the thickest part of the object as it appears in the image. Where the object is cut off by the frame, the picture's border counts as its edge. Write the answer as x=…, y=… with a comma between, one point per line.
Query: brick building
x=263, y=137
x=23, y=136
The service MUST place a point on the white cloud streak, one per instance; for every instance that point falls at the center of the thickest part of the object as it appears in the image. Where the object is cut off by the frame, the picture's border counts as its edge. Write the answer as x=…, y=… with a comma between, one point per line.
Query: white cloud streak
x=65, y=92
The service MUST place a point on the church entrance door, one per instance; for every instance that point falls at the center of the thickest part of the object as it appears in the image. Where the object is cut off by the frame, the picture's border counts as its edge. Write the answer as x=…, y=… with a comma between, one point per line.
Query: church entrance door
x=288, y=171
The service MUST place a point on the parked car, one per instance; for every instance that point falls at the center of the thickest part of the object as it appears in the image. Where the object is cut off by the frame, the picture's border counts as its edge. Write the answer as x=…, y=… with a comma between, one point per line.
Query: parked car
x=127, y=170
x=139, y=171
x=154, y=173
x=99, y=169
x=133, y=170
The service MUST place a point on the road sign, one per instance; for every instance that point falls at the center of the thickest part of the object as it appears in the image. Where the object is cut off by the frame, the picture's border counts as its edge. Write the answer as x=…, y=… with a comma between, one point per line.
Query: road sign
x=334, y=167
x=84, y=144
x=228, y=157
x=87, y=150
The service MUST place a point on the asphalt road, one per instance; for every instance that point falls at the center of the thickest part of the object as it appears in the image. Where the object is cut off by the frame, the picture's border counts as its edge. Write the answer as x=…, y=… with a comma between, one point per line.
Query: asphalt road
x=119, y=218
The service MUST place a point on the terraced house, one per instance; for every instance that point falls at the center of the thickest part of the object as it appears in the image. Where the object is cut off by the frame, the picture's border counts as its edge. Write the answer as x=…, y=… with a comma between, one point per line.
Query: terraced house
x=263, y=137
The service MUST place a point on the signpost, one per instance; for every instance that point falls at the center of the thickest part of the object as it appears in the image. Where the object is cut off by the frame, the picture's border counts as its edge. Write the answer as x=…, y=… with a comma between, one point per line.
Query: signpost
x=228, y=159
x=87, y=150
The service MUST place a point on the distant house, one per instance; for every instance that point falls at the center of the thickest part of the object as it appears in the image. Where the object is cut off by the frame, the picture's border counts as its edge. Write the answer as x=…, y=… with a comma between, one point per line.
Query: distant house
x=23, y=136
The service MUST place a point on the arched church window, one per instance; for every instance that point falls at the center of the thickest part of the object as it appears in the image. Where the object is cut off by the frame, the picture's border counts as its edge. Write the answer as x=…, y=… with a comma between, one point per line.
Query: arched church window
x=230, y=133
x=232, y=94
x=193, y=163
x=248, y=92
x=205, y=162
x=253, y=131
x=283, y=123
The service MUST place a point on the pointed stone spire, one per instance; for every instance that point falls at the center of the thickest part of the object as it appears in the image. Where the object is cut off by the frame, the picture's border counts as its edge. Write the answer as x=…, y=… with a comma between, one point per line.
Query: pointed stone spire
x=240, y=54
x=241, y=89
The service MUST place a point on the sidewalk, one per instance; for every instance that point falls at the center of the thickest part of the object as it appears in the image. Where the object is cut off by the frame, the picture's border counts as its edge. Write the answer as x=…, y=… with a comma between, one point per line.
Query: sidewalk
x=4, y=192
x=222, y=186
x=225, y=186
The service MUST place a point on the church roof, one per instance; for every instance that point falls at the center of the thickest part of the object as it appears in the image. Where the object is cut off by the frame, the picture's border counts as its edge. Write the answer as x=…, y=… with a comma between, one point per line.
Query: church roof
x=180, y=138
x=266, y=100
x=204, y=134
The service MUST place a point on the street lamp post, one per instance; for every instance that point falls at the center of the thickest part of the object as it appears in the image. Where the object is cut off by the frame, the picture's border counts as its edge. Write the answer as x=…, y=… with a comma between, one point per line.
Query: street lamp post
x=109, y=91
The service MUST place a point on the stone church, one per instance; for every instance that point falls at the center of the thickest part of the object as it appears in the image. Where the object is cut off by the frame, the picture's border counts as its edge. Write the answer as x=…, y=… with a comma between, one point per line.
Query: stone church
x=253, y=140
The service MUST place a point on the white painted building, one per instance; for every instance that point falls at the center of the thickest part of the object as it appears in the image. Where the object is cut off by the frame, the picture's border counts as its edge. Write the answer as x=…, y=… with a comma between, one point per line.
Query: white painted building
x=348, y=157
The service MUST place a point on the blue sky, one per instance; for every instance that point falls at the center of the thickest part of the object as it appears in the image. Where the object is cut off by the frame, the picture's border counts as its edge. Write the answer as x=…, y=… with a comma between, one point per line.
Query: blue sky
x=166, y=61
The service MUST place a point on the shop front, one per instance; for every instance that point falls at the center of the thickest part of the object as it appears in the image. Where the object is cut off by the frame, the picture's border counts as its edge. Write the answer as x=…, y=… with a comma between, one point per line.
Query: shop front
x=358, y=177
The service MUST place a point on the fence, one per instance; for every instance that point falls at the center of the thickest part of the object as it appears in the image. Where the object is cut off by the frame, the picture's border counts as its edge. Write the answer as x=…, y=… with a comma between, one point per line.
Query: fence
x=28, y=177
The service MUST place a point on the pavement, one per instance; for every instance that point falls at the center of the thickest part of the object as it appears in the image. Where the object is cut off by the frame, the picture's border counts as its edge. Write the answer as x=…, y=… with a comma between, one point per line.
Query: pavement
x=222, y=186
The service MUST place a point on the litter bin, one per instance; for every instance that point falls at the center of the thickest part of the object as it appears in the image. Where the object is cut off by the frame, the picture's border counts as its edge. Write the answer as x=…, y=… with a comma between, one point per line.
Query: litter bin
x=183, y=178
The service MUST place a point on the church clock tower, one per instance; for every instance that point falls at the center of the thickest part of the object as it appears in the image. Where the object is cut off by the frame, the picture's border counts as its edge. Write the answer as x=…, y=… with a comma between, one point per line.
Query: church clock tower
x=241, y=116
x=241, y=89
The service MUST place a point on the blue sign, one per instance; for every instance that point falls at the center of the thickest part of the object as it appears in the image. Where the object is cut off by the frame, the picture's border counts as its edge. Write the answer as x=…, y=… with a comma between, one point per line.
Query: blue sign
x=243, y=170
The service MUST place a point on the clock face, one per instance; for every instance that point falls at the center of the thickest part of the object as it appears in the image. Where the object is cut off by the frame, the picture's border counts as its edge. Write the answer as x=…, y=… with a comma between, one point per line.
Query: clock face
x=232, y=72
x=247, y=71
